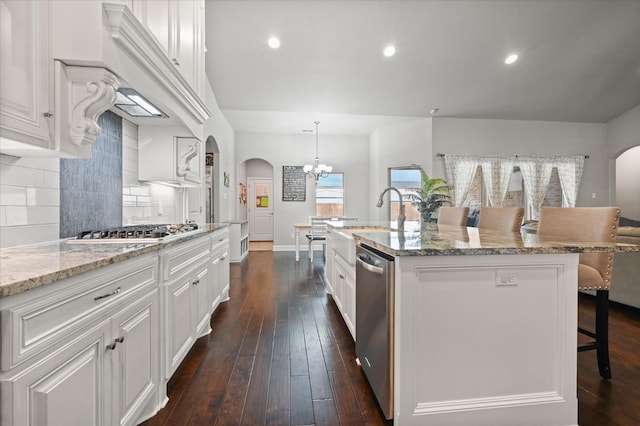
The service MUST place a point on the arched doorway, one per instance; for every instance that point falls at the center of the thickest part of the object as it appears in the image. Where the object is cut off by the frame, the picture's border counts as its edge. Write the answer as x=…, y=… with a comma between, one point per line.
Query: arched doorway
x=626, y=183
x=212, y=180
x=256, y=180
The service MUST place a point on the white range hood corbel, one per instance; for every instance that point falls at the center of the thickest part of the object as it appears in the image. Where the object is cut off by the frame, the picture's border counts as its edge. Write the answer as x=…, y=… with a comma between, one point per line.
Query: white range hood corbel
x=81, y=95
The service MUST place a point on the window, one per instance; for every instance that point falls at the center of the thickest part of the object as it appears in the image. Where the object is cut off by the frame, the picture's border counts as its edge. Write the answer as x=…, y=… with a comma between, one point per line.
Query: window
x=330, y=195
x=406, y=179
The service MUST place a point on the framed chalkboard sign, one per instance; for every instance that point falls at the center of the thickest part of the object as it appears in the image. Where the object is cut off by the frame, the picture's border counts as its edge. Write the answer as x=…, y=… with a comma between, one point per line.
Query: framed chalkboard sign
x=294, y=183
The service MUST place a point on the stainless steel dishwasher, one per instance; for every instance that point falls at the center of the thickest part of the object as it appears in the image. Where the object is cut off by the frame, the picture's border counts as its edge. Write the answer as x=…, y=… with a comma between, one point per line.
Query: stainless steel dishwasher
x=374, y=322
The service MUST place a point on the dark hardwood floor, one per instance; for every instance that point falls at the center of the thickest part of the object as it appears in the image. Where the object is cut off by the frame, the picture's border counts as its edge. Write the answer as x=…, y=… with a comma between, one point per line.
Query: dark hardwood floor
x=280, y=354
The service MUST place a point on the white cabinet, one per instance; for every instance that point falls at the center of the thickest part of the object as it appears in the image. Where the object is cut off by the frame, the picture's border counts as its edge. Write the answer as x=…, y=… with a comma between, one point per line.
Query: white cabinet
x=134, y=342
x=178, y=26
x=239, y=240
x=340, y=276
x=220, y=266
x=185, y=271
x=70, y=387
x=24, y=72
x=345, y=292
x=83, y=350
x=165, y=155
x=47, y=108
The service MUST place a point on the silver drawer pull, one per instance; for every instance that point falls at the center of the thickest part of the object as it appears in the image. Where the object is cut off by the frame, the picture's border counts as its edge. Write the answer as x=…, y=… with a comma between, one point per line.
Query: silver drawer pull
x=104, y=296
x=113, y=345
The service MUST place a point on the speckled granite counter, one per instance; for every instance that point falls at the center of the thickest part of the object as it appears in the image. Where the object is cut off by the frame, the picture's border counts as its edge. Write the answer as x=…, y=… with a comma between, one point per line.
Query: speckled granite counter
x=434, y=240
x=27, y=267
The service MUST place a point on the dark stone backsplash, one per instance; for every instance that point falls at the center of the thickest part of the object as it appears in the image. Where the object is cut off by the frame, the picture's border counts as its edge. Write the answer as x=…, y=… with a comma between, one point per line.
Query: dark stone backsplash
x=91, y=190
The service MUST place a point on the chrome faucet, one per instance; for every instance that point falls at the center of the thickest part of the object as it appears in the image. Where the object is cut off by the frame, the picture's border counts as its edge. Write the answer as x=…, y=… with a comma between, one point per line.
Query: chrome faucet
x=401, y=215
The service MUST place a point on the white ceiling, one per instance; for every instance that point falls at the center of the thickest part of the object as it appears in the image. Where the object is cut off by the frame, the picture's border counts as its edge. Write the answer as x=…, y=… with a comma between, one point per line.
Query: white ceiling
x=579, y=61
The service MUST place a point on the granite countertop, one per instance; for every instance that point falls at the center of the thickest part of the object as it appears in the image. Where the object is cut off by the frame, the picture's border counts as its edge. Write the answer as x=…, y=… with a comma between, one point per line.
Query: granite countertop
x=30, y=266
x=444, y=240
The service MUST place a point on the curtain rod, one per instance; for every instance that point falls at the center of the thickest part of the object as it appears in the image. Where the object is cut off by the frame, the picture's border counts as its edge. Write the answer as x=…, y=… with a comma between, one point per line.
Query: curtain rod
x=441, y=155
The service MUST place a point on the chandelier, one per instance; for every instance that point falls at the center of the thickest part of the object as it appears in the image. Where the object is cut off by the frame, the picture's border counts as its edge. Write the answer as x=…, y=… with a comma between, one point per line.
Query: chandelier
x=316, y=169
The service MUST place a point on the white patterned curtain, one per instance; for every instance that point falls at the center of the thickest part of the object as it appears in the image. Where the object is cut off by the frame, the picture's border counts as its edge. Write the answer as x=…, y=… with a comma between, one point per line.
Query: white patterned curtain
x=496, y=172
x=570, y=173
x=536, y=173
x=460, y=172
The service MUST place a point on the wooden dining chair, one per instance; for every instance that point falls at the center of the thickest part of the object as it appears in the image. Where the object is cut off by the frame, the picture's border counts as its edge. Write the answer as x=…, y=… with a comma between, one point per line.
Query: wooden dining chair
x=506, y=219
x=453, y=216
x=588, y=224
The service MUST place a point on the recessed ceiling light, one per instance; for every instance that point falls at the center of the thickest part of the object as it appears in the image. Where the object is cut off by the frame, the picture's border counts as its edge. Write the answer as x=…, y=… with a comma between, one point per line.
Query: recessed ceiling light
x=511, y=59
x=433, y=111
x=389, y=51
x=274, y=43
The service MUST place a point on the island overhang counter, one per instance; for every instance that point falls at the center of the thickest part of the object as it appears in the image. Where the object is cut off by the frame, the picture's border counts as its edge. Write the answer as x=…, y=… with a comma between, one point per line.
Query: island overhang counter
x=484, y=325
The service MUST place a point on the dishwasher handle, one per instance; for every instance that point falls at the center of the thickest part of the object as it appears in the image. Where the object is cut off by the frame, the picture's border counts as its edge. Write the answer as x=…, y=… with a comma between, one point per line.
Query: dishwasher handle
x=369, y=267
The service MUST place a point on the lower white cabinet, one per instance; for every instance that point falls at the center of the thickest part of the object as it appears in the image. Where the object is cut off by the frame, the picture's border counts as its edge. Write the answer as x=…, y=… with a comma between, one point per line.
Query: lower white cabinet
x=102, y=367
x=345, y=292
x=133, y=346
x=340, y=277
x=99, y=348
x=194, y=281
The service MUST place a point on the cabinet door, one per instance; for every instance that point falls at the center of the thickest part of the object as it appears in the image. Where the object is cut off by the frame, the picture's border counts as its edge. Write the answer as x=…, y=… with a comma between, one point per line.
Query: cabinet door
x=202, y=302
x=66, y=388
x=214, y=274
x=159, y=17
x=136, y=372
x=339, y=276
x=180, y=322
x=184, y=56
x=225, y=284
x=349, y=303
x=24, y=72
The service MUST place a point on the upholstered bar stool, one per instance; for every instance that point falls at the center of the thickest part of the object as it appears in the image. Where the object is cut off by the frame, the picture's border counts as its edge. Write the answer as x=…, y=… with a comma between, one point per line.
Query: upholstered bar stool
x=506, y=219
x=588, y=224
x=453, y=216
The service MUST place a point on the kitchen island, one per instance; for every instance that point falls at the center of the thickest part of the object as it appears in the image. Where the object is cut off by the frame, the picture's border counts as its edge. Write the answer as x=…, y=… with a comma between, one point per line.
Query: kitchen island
x=484, y=324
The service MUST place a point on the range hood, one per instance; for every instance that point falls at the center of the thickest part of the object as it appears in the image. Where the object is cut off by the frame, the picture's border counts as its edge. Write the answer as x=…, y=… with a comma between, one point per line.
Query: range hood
x=108, y=35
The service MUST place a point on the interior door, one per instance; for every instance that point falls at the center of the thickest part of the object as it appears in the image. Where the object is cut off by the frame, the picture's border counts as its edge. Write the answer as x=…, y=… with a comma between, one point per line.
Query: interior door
x=260, y=205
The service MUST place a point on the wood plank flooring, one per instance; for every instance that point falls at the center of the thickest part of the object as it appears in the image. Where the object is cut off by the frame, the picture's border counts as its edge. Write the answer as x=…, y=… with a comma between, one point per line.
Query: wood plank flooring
x=280, y=354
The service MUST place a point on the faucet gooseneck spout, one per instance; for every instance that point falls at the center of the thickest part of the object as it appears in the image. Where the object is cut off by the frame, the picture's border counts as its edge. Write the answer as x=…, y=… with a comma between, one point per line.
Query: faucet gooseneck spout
x=401, y=215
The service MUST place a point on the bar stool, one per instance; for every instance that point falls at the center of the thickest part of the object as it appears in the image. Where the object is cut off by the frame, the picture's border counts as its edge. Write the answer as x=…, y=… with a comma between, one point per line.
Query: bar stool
x=505, y=219
x=453, y=216
x=588, y=224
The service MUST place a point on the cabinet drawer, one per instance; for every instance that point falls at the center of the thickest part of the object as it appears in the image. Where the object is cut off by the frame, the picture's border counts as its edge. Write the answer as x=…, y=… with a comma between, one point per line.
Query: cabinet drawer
x=48, y=315
x=182, y=258
x=219, y=239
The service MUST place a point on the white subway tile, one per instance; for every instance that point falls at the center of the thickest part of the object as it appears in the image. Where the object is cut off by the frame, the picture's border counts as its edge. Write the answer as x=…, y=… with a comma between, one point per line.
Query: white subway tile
x=140, y=190
x=15, y=216
x=13, y=195
x=30, y=234
x=43, y=197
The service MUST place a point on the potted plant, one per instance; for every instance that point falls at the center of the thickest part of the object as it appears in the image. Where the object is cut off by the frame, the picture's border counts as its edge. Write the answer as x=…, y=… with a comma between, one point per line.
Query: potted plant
x=433, y=194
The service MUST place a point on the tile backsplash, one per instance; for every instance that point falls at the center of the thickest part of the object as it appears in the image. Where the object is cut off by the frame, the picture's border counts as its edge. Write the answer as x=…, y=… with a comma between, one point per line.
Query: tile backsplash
x=30, y=195
x=29, y=200
x=91, y=189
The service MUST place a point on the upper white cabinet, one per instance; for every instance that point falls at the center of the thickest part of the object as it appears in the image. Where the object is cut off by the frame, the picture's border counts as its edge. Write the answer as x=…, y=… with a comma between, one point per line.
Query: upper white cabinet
x=178, y=26
x=24, y=72
x=62, y=62
x=46, y=107
x=166, y=156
